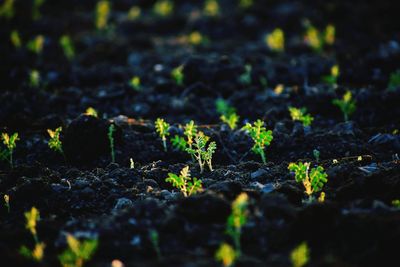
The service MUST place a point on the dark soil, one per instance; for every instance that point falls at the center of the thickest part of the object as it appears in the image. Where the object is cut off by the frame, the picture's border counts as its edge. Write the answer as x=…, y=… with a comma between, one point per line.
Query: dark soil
x=88, y=196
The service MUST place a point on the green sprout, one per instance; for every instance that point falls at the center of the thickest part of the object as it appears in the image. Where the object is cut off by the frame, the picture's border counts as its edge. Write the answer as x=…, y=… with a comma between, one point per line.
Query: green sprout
x=16, y=39
x=237, y=219
x=36, y=9
x=36, y=44
x=155, y=241
x=226, y=254
x=395, y=203
x=211, y=8
x=347, y=105
x=300, y=114
x=67, y=46
x=246, y=3
x=7, y=9
x=7, y=202
x=201, y=152
x=37, y=253
x=179, y=143
x=276, y=40
x=91, y=112
x=34, y=78
x=135, y=83
x=55, y=142
x=177, y=75
x=184, y=182
x=190, y=131
x=163, y=8
x=134, y=13
x=394, y=80
x=300, y=255
x=110, y=135
x=245, y=78
x=227, y=112
x=103, y=11
x=312, y=179
x=78, y=252
x=11, y=143
x=261, y=137
x=316, y=39
x=332, y=78
x=162, y=129
x=316, y=154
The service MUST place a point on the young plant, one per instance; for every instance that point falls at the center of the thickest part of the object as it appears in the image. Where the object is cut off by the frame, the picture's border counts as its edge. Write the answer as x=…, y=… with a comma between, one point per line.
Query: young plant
x=312, y=179
x=196, y=38
x=37, y=253
x=162, y=129
x=163, y=8
x=78, y=252
x=135, y=83
x=16, y=39
x=228, y=113
x=316, y=39
x=226, y=254
x=276, y=40
x=67, y=46
x=103, y=11
x=134, y=13
x=332, y=78
x=7, y=202
x=34, y=78
x=261, y=137
x=36, y=45
x=91, y=112
x=347, y=105
x=316, y=154
x=11, y=143
x=177, y=75
x=7, y=9
x=184, y=182
x=211, y=8
x=237, y=219
x=190, y=131
x=246, y=3
x=300, y=255
x=36, y=9
x=201, y=152
x=155, y=241
x=55, y=142
x=394, y=81
x=110, y=135
x=245, y=78
x=300, y=114
x=179, y=143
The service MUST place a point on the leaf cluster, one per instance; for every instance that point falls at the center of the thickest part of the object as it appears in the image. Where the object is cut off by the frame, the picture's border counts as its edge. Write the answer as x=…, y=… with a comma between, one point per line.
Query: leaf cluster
x=261, y=137
x=300, y=114
x=78, y=252
x=184, y=182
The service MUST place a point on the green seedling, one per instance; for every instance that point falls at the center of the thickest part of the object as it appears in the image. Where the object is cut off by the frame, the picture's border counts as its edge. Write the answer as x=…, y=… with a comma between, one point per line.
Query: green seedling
x=36, y=44
x=211, y=8
x=135, y=83
x=312, y=179
x=16, y=39
x=134, y=13
x=300, y=114
x=7, y=202
x=67, y=46
x=316, y=154
x=163, y=8
x=396, y=203
x=201, y=152
x=91, y=112
x=110, y=135
x=236, y=220
x=246, y=3
x=11, y=143
x=55, y=142
x=332, y=78
x=226, y=254
x=196, y=38
x=347, y=105
x=300, y=255
x=179, y=143
x=34, y=78
x=155, y=241
x=276, y=40
x=245, y=78
x=190, y=131
x=177, y=75
x=184, y=182
x=7, y=9
x=227, y=112
x=394, y=81
x=261, y=137
x=317, y=39
x=78, y=252
x=37, y=253
x=162, y=129
x=36, y=9
x=103, y=11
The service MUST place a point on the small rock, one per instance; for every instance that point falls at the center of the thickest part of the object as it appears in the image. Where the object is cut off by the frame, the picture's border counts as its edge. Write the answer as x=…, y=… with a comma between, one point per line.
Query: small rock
x=386, y=140
x=123, y=203
x=268, y=188
x=258, y=174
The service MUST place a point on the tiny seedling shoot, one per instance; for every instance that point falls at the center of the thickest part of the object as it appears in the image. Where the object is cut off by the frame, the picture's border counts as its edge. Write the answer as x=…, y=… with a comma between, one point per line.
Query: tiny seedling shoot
x=237, y=219
x=37, y=253
x=347, y=105
x=110, y=135
x=55, y=142
x=313, y=179
x=162, y=129
x=78, y=252
x=11, y=143
x=184, y=182
x=201, y=152
x=227, y=112
x=300, y=114
x=261, y=137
